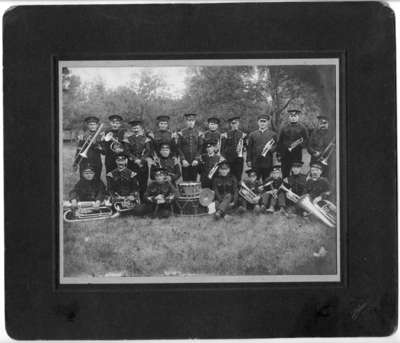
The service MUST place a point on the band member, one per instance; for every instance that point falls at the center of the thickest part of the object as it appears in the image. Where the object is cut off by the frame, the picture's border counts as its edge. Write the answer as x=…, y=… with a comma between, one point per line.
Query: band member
x=273, y=198
x=209, y=160
x=163, y=136
x=212, y=135
x=296, y=181
x=88, y=188
x=226, y=191
x=93, y=153
x=233, y=146
x=189, y=147
x=168, y=163
x=137, y=147
x=123, y=181
x=293, y=137
x=255, y=186
x=316, y=185
x=258, y=142
x=159, y=195
x=319, y=141
x=112, y=141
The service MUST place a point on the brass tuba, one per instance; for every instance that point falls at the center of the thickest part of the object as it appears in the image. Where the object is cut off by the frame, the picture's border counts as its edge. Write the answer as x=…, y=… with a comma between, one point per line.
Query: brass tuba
x=86, y=212
x=248, y=194
x=320, y=212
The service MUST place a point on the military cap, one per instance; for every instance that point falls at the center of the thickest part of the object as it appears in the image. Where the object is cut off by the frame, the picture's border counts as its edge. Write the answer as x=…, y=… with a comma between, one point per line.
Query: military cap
x=190, y=115
x=294, y=111
x=163, y=118
x=231, y=119
x=165, y=146
x=316, y=165
x=264, y=116
x=297, y=164
x=213, y=120
x=276, y=167
x=115, y=117
x=251, y=171
x=223, y=165
x=321, y=117
x=121, y=158
x=135, y=122
x=88, y=167
x=92, y=119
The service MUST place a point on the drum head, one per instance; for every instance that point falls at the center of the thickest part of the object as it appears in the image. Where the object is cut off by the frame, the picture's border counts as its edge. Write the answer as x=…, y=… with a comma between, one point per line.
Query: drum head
x=206, y=197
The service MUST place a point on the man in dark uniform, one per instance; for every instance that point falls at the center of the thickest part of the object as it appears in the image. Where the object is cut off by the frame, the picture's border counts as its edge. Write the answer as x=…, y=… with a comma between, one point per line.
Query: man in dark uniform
x=293, y=137
x=212, y=135
x=137, y=147
x=189, y=147
x=257, y=141
x=296, y=181
x=230, y=151
x=94, y=152
x=226, y=191
x=123, y=181
x=88, y=188
x=254, y=185
x=208, y=161
x=319, y=140
x=159, y=195
x=316, y=185
x=273, y=197
x=112, y=148
x=168, y=163
x=163, y=136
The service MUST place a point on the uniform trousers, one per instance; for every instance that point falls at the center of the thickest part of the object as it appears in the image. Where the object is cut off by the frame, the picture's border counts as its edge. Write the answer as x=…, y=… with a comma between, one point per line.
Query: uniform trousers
x=269, y=201
x=225, y=204
x=236, y=166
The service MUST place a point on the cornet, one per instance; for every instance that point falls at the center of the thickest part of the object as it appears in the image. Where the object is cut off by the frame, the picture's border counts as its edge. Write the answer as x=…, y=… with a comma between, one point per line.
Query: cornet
x=295, y=144
x=267, y=147
x=116, y=145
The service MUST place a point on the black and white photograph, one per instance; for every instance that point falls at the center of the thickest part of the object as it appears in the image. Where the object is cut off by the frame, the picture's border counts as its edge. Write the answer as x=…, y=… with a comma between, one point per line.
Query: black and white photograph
x=192, y=171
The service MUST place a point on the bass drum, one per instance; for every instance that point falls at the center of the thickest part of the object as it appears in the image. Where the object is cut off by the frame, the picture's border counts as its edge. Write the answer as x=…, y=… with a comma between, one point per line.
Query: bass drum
x=189, y=190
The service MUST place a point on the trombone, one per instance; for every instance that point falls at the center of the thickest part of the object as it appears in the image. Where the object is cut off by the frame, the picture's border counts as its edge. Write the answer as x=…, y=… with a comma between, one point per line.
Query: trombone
x=327, y=153
x=86, y=146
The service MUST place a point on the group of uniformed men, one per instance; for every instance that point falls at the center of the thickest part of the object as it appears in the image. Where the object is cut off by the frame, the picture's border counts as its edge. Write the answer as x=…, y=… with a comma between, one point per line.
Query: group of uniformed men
x=132, y=156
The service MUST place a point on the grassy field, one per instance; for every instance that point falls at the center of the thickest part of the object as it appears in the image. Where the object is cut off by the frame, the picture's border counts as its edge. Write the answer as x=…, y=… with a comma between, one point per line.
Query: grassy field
x=247, y=245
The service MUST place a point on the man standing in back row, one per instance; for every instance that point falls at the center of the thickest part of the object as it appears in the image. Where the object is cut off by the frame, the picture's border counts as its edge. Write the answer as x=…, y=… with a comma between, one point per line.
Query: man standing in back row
x=261, y=145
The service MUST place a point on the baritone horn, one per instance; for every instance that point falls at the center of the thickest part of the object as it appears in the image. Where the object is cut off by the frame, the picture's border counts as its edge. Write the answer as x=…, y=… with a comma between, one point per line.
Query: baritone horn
x=325, y=213
x=248, y=194
x=215, y=167
x=267, y=147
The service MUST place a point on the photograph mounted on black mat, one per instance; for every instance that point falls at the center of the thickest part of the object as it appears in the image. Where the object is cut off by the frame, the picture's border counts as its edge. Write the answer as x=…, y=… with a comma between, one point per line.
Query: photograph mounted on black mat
x=199, y=171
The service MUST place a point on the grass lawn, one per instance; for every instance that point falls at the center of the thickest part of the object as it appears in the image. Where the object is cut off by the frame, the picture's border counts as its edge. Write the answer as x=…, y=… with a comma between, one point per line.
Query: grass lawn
x=247, y=245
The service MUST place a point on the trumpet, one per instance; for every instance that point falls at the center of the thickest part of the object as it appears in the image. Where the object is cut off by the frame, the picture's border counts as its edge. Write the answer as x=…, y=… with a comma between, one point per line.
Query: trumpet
x=295, y=144
x=86, y=146
x=116, y=145
x=248, y=194
x=324, y=157
x=267, y=147
x=240, y=146
x=215, y=167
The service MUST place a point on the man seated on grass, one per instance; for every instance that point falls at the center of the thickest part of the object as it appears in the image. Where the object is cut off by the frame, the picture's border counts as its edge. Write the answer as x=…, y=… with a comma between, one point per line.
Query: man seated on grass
x=273, y=198
x=208, y=161
x=168, y=162
x=123, y=182
x=159, y=195
x=317, y=186
x=88, y=188
x=226, y=191
x=254, y=185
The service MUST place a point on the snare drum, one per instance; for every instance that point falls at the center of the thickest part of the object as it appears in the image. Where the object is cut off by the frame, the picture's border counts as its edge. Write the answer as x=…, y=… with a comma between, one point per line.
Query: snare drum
x=189, y=190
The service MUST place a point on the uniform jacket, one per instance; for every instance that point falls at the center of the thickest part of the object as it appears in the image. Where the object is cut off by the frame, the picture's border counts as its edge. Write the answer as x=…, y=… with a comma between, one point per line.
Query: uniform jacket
x=122, y=182
x=190, y=143
x=289, y=134
x=223, y=185
x=170, y=166
x=155, y=188
x=210, y=137
x=85, y=190
x=230, y=144
x=164, y=137
x=94, y=152
x=138, y=147
x=253, y=185
x=297, y=183
x=207, y=163
x=256, y=142
x=319, y=140
x=316, y=187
